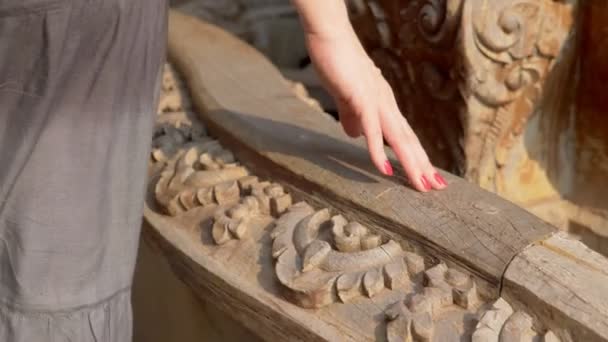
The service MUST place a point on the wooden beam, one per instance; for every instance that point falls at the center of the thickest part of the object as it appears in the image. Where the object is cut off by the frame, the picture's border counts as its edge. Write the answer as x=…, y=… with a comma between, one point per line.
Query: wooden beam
x=241, y=243
x=566, y=283
x=246, y=103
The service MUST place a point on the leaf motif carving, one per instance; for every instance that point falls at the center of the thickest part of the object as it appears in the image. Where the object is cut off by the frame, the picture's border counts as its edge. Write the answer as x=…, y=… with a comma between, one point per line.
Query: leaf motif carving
x=322, y=259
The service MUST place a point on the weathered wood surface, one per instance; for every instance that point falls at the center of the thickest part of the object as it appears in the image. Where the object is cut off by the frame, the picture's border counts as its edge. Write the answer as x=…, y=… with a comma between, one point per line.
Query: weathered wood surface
x=220, y=231
x=336, y=266
x=230, y=266
x=239, y=279
x=213, y=220
x=564, y=281
x=246, y=103
x=242, y=244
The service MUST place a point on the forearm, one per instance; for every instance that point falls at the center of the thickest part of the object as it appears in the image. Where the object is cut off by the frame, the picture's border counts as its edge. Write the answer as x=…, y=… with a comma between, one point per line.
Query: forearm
x=324, y=18
x=363, y=97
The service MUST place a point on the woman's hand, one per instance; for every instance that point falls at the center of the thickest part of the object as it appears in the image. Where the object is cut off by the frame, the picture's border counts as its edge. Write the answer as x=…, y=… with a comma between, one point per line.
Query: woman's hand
x=365, y=101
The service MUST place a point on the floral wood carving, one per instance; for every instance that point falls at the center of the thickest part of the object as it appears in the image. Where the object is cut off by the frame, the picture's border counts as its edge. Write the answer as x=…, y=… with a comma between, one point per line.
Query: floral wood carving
x=261, y=198
x=322, y=259
x=204, y=174
x=447, y=300
x=201, y=174
x=449, y=307
x=500, y=323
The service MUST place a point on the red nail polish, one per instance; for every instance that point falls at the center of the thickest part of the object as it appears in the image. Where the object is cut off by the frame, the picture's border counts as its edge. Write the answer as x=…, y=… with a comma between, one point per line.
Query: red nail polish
x=388, y=168
x=425, y=183
x=440, y=179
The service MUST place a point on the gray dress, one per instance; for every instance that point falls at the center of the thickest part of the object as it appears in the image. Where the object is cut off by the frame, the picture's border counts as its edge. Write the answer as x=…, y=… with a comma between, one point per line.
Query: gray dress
x=78, y=88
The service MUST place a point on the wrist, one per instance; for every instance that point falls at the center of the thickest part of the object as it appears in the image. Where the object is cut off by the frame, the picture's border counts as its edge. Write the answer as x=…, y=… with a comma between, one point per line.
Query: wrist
x=324, y=19
x=335, y=36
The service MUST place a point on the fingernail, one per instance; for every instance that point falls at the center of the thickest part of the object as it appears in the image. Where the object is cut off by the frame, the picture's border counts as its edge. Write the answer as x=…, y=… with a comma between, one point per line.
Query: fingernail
x=388, y=168
x=425, y=183
x=440, y=179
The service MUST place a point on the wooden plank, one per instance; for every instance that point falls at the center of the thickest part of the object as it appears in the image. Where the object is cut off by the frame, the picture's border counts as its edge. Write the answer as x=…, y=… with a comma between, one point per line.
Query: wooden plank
x=566, y=283
x=245, y=102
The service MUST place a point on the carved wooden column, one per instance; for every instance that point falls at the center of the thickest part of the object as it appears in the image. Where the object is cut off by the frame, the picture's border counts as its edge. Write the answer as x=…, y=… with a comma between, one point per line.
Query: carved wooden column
x=487, y=84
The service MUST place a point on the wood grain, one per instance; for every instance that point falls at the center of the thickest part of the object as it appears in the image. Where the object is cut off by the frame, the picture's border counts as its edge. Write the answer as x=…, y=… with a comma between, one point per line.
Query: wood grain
x=246, y=103
x=238, y=278
x=220, y=230
x=564, y=282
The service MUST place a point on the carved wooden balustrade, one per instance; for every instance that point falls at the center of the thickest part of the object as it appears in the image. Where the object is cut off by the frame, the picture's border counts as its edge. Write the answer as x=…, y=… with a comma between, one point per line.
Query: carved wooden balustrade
x=503, y=93
x=269, y=212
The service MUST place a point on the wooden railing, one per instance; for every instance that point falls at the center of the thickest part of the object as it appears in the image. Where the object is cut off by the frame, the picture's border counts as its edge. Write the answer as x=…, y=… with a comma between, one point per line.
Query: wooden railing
x=283, y=223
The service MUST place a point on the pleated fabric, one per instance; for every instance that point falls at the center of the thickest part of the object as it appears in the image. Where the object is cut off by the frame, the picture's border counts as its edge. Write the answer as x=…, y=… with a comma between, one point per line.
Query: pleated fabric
x=79, y=82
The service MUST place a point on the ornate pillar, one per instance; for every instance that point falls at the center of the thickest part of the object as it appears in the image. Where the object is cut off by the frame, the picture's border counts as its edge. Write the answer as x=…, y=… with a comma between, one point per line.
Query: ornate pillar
x=487, y=84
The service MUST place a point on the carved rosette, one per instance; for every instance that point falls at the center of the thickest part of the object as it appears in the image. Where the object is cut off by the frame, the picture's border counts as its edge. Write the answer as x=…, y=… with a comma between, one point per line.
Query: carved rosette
x=322, y=259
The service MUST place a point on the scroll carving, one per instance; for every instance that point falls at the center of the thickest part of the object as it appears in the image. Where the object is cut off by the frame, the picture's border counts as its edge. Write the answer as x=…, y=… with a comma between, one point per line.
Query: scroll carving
x=202, y=174
x=261, y=198
x=448, y=299
x=197, y=172
x=501, y=323
x=510, y=47
x=322, y=259
x=449, y=306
